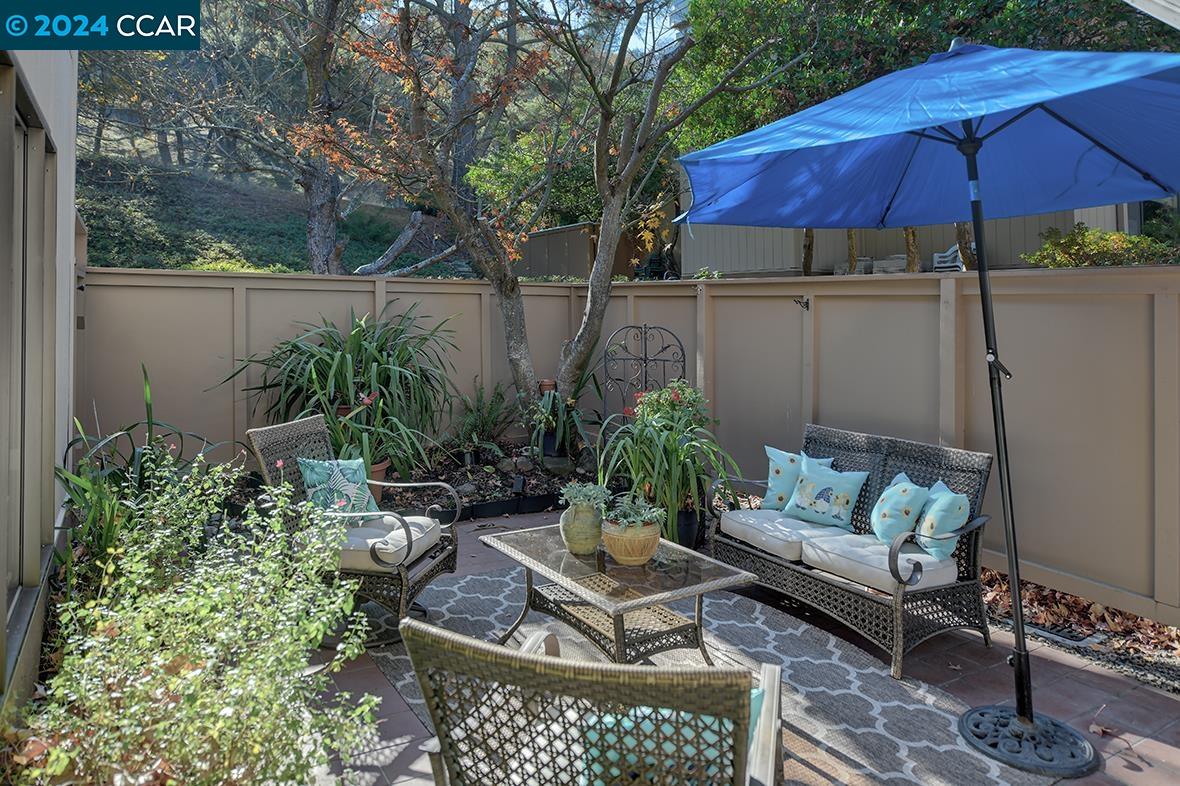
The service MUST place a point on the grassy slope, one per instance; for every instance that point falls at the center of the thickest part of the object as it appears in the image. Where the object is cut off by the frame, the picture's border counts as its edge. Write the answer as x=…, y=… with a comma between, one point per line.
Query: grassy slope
x=140, y=216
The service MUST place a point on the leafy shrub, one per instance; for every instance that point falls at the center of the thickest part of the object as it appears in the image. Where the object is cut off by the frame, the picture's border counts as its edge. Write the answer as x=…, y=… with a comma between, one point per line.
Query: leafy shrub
x=1161, y=222
x=484, y=419
x=391, y=374
x=1083, y=246
x=188, y=666
x=108, y=480
x=705, y=273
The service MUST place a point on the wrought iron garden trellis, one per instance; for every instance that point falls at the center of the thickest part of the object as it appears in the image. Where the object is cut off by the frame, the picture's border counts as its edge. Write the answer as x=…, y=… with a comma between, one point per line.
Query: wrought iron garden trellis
x=638, y=359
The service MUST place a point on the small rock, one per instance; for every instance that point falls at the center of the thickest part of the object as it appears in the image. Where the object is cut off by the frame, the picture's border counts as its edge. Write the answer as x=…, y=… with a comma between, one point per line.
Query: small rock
x=506, y=465
x=524, y=464
x=467, y=489
x=587, y=463
x=559, y=465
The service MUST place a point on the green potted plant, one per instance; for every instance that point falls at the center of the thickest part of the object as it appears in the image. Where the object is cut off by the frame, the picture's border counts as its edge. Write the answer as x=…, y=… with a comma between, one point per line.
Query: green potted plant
x=384, y=443
x=665, y=450
x=581, y=522
x=631, y=529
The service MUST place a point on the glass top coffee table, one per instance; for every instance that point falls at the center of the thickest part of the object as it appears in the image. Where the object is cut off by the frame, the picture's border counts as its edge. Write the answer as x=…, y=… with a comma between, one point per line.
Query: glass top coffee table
x=618, y=608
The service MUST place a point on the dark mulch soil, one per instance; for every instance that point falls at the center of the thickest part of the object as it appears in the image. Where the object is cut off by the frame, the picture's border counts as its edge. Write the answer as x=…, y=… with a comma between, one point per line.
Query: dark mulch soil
x=477, y=483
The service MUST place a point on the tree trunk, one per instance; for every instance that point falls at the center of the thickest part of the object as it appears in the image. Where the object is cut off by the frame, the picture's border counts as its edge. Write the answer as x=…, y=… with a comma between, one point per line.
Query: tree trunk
x=164, y=149
x=575, y=353
x=913, y=262
x=396, y=248
x=99, y=129
x=324, y=249
x=180, y=149
x=808, y=250
x=516, y=341
x=851, y=250
x=963, y=238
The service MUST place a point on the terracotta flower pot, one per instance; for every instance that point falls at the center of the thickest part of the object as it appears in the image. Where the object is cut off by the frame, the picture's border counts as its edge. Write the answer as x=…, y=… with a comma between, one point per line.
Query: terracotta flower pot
x=545, y=385
x=630, y=545
x=377, y=472
x=581, y=529
x=342, y=410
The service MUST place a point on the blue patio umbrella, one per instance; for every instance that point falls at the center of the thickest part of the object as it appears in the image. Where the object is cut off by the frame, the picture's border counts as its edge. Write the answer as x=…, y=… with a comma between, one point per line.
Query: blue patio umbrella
x=1020, y=131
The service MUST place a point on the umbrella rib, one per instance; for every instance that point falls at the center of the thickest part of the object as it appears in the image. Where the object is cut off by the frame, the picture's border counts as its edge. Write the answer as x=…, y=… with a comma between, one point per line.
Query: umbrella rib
x=904, y=171
x=1008, y=122
x=932, y=138
x=1104, y=148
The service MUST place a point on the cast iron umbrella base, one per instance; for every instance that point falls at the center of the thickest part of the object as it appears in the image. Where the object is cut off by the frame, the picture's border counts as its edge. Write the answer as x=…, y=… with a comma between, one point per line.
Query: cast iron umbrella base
x=1045, y=747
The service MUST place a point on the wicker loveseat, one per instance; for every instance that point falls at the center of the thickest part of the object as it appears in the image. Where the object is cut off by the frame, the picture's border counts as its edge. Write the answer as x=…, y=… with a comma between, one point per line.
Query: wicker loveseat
x=895, y=595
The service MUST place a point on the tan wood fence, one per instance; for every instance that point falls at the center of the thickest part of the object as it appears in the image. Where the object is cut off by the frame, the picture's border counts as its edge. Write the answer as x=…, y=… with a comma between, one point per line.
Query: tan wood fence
x=1094, y=408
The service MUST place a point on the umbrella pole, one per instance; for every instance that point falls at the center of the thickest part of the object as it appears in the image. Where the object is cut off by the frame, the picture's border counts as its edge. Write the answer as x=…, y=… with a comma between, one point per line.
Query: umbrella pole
x=1013, y=735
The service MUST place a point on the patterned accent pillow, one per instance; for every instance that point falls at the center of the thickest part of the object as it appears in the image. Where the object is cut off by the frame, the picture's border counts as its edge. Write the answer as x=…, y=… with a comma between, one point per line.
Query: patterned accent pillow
x=945, y=511
x=338, y=486
x=825, y=496
x=898, y=508
x=783, y=475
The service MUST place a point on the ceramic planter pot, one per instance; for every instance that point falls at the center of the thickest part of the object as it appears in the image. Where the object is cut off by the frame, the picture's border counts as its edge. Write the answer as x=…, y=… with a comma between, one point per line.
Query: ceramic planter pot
x=630, y=545
x=581, y=529
x=377, y=472
x=549, y=444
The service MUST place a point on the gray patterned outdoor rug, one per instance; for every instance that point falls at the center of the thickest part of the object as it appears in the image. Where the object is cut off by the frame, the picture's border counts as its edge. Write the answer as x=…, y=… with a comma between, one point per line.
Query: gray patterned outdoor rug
x=836, y=697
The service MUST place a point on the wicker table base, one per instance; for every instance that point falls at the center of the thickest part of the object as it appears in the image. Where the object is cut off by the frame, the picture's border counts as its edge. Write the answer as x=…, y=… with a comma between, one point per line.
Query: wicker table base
x=630, y=637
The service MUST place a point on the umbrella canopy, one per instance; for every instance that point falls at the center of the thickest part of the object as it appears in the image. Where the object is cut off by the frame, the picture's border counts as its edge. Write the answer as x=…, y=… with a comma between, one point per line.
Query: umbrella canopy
x=1060, y=130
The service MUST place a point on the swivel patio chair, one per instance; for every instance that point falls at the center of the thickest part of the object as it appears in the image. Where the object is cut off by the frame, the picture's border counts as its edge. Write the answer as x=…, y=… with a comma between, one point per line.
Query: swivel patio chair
x=505, y=717
x=392, y=556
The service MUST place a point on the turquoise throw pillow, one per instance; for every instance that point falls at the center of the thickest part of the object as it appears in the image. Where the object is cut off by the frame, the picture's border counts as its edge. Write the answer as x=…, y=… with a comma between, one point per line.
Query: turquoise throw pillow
x=338, y=486
x=945, y=511
x=824, y=496
x=614, y=752
x=783, y=475
x=898, y=508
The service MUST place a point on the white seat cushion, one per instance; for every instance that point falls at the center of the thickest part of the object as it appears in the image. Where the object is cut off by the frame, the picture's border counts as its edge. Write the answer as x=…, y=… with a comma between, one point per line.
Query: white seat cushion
x=774, y=532
x=862, y=559
x=386, y=530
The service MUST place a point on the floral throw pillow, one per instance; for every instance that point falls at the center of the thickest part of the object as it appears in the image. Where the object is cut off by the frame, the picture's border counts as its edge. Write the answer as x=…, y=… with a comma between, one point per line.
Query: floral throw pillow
x=783, y=475
x=945, y=511
x=338, y=486
x=898, y=508
x=825, y=496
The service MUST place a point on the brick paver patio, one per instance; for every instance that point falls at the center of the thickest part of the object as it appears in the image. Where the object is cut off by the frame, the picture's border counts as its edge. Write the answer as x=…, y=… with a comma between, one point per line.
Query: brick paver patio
x=1140, y=743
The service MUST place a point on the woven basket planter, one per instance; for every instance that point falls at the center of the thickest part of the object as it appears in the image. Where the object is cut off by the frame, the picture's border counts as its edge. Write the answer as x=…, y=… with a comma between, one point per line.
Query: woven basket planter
x=630, y=545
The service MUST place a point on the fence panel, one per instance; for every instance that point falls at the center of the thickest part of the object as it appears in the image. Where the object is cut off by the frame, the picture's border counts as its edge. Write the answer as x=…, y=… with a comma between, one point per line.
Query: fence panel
x=1094, y=408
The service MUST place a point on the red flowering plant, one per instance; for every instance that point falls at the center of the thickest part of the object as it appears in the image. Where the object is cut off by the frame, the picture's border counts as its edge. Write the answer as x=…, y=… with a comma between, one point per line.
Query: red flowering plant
x=664, y=447
x=678, y=400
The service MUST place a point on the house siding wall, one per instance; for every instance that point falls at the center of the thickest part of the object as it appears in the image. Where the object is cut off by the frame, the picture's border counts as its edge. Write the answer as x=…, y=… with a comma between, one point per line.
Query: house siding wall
x=38, y=239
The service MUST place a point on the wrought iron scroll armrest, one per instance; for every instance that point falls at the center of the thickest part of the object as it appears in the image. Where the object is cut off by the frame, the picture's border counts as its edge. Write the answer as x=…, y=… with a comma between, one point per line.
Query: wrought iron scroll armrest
x=915, y=566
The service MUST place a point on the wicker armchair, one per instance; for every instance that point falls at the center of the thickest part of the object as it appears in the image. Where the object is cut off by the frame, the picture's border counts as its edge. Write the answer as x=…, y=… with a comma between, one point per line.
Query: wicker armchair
x=513, y=717
x=393, y=557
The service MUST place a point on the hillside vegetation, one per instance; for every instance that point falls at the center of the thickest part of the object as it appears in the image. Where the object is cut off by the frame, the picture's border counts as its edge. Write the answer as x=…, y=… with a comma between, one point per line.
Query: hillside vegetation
x=149, y=217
